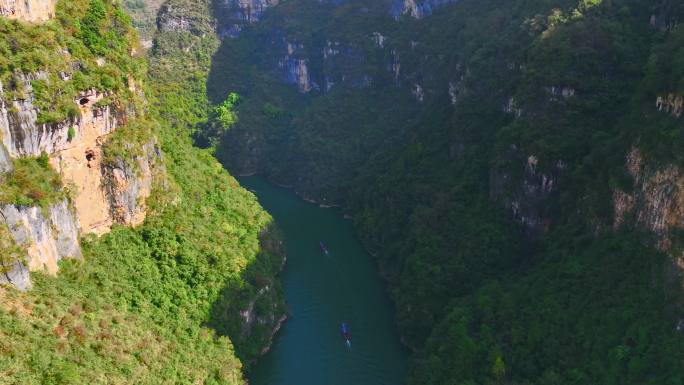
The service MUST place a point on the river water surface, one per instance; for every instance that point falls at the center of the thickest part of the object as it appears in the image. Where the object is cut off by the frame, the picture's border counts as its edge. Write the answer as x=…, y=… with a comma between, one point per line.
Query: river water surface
x=322, y=292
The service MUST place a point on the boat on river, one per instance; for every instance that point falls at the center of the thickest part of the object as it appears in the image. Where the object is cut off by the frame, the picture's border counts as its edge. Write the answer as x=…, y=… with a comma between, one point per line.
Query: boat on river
x=324, y=249
x=344, y=329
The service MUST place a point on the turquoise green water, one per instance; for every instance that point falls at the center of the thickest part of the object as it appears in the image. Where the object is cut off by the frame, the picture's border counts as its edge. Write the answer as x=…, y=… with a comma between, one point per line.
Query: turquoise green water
x=322, y=292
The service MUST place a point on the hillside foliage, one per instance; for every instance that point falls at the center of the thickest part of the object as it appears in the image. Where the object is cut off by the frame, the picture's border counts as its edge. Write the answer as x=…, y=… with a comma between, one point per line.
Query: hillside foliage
x=142, y=305
x=509, y=91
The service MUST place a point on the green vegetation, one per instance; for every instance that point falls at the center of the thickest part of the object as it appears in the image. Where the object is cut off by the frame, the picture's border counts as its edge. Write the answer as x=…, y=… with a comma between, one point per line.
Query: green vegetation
x=88, y=46
x=225, y=113
x=560, y=326
x=221, y=119
x=144, y=15
x=32, y=182
x=544, y=90
x=71, y=133
x=95, y=325
x=482, y=298
x=127, y=141
x=141, y=307
x=92, y=25
x=260, y=286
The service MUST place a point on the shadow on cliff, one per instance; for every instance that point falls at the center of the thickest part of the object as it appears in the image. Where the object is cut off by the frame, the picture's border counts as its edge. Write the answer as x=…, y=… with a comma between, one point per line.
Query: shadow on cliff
x=247, y=62
x=251, y=309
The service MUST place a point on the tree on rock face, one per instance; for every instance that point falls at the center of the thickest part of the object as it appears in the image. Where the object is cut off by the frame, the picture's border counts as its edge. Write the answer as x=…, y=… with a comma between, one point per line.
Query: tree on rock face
x=222, y=118
x=499, y=369
x=225, y=113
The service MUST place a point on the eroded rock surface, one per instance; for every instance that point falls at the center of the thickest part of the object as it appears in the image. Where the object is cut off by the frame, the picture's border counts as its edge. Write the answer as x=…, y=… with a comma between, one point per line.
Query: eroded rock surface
x=28, y=10
x=101, y=193
x=48, y=236
x=656, y=202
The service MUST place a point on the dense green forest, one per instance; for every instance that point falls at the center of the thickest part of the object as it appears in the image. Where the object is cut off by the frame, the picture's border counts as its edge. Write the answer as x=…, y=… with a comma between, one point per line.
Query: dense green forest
x=144, y=304
x=478, y=150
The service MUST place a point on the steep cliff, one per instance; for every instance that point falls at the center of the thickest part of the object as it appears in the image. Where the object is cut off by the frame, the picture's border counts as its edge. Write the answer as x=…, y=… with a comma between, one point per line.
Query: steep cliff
x=99, y=196
x=139, y=234
x=46, y=238
x=481, y=148
x=238, y=14
x=655, y=202
x=416, y=9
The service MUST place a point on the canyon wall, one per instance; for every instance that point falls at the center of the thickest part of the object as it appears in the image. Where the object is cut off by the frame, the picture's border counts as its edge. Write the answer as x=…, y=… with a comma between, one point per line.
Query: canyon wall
x=493, y=155
x=101, y=192
x=655, y=201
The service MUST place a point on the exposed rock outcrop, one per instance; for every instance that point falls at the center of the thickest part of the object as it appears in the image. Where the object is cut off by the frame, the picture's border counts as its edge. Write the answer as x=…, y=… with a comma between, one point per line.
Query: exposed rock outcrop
x=128, y=182
x=101, y=194
x=525, y=196
x=47, y=236
x=243, y=12
x=666, y=15
x=671, y=104
x=105, y=193
x=418, y=92
x=28, y=10
x=181, y=16
x=271, y=320
x=379, y=39
x=557, y=93
x=22, y=135
x=416, y=8
x=656, y=202
x=296, y=71
x=16, y=274
x=5, y=160
x=250, y=10
x=171, y=19
x=511, y=107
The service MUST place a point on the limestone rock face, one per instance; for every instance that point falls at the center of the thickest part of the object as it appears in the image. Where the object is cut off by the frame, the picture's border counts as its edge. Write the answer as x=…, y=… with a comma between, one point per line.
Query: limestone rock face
x=102, y=193
x=243, y=12
x=671, y=104
x=128, y=183
x=656, y=202
x=525, y=192
x=48, y=236
x=296, y=72
x=417, y=9
x=183, y=16
x=22, y=135
x=28, y=10
x=5, y=160
x=170, y=21
x=81, y=166
x=17, y=275
x=107, y=193
x=250, y=10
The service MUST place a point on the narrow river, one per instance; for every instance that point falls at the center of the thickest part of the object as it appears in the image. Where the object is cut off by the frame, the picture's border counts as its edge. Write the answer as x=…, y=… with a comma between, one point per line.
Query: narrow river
x=322, y=292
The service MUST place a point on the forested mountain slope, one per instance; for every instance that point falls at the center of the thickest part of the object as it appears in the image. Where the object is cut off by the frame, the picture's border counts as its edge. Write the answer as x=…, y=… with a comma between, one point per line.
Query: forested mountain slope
x=128, y=255
x=515, y=165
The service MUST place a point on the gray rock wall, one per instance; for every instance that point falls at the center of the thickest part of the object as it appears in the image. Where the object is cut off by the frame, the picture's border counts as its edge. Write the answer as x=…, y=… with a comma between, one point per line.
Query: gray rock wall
x=48, y=236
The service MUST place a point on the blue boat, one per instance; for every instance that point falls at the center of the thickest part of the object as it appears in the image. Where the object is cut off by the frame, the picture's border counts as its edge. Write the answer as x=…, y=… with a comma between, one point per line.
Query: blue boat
x=344, y=329
x=324, y=249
